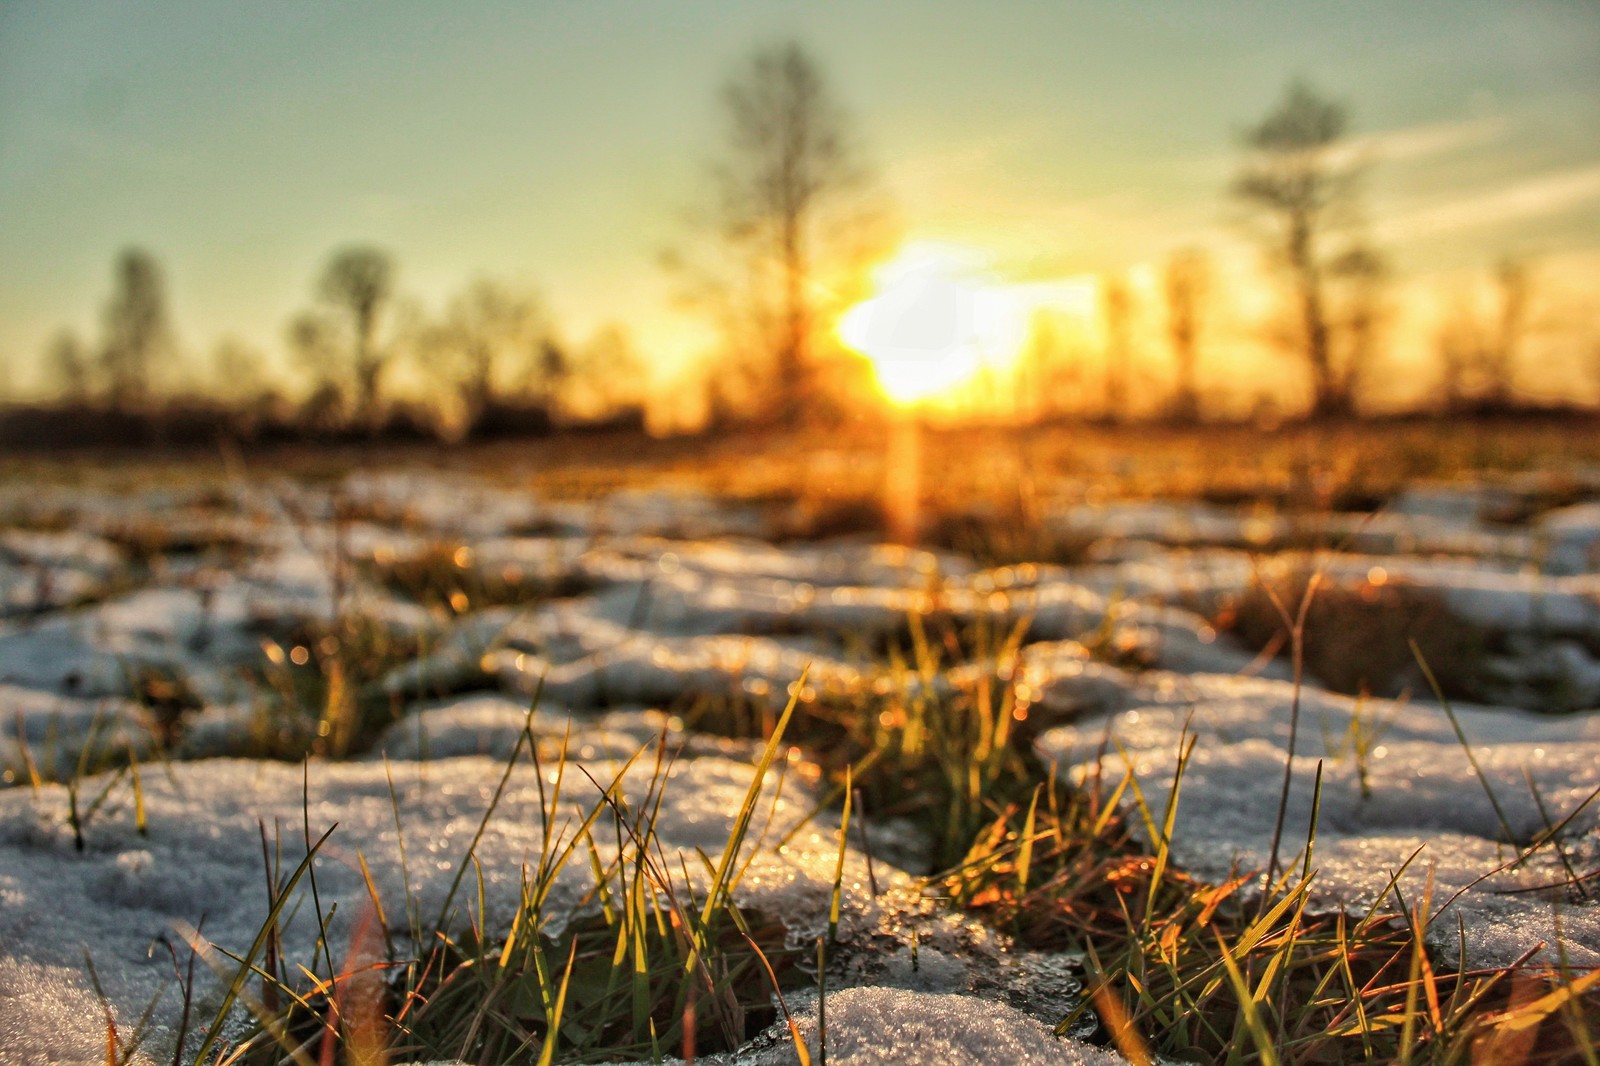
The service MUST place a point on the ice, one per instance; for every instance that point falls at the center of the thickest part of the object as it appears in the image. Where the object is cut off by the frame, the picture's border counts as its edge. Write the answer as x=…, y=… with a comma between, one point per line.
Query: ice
x=1536, y=634
x=1202, y=578
x=56, y=655
x=1395, y=779
x=1063, y=682
x=199, y=631
x=438, y=501
x=43, y=1019
x=1392, y=533
x=839, y=563
x=875, y=1026
x=468, y=507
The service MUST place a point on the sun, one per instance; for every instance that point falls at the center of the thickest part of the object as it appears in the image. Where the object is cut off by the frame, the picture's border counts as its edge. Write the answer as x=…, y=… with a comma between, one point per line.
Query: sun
x=937, y=321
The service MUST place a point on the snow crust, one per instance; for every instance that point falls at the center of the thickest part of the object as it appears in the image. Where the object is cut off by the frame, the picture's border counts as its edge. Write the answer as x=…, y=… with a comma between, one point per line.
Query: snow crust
x=901, y=1027
x=670, y=597
x=1422, y=795
x=121, y=898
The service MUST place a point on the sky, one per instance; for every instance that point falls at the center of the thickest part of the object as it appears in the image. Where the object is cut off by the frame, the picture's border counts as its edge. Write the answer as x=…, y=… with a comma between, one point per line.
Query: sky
x=563, y=144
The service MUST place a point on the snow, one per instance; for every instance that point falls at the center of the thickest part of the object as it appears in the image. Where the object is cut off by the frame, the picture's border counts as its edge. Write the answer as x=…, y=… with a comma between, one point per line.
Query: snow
x=1421, y=791
x=120, y=899
x=668, y=598
x=1571, y=539
x=52, y=730
x=900, y=1027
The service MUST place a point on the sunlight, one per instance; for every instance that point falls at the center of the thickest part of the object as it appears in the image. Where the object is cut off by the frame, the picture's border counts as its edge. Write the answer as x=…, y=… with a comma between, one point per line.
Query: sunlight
x=938, y=320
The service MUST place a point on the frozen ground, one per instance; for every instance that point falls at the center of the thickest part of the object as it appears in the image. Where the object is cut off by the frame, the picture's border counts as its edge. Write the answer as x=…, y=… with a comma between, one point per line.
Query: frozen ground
x=1397, y=787
x=170, y=625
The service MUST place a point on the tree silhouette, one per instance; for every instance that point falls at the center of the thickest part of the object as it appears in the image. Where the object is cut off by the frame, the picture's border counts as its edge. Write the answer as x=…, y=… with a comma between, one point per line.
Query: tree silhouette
x=315, y=344
x=1480, y=345
x=490, y=338
x=785, y=183
x=357, y=284
x=70, y=368
x=239, y=375
x=1294, y=175
x=137, y=330
x=1513, y=284
x=1116, y=313
x=1362, y=274
x=607, y=375
x=555, y=369
x=1188, y=281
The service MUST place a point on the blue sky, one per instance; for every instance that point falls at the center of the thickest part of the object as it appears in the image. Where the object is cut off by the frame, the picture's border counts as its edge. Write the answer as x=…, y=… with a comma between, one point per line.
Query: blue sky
x=561, y=142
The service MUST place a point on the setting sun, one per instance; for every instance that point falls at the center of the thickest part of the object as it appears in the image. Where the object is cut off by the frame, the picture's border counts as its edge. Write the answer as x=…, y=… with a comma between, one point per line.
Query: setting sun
x=935, y=323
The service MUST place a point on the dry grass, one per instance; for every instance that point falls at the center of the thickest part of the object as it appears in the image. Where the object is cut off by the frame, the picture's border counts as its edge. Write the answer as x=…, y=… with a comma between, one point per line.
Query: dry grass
x=1357, y=638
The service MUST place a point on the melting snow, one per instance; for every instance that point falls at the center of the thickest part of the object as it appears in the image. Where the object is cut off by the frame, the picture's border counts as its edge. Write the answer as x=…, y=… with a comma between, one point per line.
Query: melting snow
x=1395, y=779
x=676, y=596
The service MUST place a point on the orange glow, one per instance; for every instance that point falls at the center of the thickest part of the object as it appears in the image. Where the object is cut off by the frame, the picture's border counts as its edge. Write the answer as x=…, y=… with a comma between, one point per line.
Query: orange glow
x=936, y=322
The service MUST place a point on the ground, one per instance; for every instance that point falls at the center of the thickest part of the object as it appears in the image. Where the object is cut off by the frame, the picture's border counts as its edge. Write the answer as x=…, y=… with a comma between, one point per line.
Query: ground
x=208, y=661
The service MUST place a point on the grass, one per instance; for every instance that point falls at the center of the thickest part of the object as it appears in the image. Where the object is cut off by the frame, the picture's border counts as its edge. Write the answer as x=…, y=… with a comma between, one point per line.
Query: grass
x=318, y=685
x=1306, y=466
x=149, y=543
x=447, y=576
x=1357, y=637
x=641, y=965
x=658, y=956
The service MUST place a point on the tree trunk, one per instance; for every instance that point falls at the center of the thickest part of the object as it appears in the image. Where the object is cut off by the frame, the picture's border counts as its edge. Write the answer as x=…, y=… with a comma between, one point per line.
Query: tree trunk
x=792, y=354
x=1328, y=399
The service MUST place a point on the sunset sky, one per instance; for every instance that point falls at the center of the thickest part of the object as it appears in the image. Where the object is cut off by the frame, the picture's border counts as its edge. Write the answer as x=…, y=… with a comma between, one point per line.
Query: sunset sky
x=561, y=143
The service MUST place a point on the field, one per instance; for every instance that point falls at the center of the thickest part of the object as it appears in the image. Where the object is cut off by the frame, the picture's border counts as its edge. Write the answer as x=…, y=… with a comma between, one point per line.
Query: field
x=1206, y=744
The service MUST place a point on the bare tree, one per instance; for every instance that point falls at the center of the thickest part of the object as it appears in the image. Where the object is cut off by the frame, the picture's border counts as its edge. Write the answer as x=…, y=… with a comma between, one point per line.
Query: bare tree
x=786, y=182
x=1362, y=275
x=554, y=371
x=138, y=333
x=609, y=372
x=70, y=368
x=1295, y=177
x=1116, y=312
x=1188, y=281
x=1459, y=346
x=1513, y=285
x=1032, y=396
x=487, y=346
x=314, y=341
x=357, y=284
x=1053, y=368
x=238, y=373
x=1480, y=341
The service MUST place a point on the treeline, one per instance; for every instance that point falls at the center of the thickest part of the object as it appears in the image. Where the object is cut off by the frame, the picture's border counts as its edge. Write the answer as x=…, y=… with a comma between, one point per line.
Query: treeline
x=775, y=255
x=1334, y=309
x=792, y=215
x=1157, y=351
x=361, y=362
